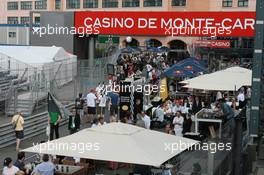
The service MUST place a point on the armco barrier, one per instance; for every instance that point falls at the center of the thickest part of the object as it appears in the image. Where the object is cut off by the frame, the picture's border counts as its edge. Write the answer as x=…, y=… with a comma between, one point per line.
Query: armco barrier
x=34, y=125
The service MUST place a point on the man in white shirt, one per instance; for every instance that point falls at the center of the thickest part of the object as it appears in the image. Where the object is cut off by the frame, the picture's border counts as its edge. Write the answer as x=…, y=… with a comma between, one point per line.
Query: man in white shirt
x=218, y=96
x=176, y=107
x=91, y=104
x=241, y=98
x=102, y=104
x=146, y=120
x=160, y=114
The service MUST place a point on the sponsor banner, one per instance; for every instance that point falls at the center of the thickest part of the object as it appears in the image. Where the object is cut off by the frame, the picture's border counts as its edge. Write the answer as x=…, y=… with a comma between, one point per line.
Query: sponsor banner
x=166, y=23
x=213, y=43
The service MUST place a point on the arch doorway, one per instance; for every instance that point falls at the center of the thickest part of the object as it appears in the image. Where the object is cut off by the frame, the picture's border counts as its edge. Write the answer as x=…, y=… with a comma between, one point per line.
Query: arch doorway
x=133, y=43
x=153, y=43
x=177, y=44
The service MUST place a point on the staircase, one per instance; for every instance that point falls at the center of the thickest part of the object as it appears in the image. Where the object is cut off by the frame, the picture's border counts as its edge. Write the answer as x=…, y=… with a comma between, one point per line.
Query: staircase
x=24, y=103
x=34, y=125
x=25, y=106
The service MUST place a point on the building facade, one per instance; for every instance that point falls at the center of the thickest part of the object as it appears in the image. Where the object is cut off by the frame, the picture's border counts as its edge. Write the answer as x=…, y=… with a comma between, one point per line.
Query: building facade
x=16, y=12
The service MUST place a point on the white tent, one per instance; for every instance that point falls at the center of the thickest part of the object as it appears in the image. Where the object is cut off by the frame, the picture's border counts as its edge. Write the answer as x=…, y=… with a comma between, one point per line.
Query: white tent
x=118, y=142
x=35, y=55
x=229, y=79
x=41, y=63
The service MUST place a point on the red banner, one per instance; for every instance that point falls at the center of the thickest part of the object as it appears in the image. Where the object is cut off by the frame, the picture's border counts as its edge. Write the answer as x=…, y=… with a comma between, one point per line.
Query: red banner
x=166, y=23
x=213, y=43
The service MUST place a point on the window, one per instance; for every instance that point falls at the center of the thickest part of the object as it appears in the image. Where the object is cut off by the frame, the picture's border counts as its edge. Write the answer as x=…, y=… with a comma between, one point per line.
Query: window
x=178, y=3
x=11, y=34
x=25, y=20
x=41, y=4
x=37, y=20
x=130, y=3
x=152, y=3
x=110, y=3
x=12, y=6
x=242, y=3
x=73, y=4
x=90, y=3
x=227, y=3
x=26, y=5
x=12, y=20
x=58, y=4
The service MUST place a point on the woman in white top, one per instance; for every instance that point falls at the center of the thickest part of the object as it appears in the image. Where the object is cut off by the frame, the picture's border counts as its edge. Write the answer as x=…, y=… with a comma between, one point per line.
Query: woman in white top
x=9, y=168
x=178, y=124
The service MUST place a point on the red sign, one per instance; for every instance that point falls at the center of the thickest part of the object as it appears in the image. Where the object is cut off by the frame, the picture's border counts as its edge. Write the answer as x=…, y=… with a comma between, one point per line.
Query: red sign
x=213, y=43
x=166, y=23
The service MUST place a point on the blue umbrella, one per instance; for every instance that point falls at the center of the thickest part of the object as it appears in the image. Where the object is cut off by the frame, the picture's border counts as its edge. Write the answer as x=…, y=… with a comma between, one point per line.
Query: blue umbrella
x=163, y=49
x=177, y=71
x=153, y=49
x=193, y=60
x=129, y=50
x=192, y=64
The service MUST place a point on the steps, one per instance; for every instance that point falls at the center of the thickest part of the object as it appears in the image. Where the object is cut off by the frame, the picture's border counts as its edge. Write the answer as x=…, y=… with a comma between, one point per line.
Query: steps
x=34, y=125
x=25, y=106
x=24, y=103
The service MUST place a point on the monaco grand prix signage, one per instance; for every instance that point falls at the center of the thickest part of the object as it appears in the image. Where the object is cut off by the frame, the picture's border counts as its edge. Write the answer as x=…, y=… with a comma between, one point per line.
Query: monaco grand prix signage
x=166, y=23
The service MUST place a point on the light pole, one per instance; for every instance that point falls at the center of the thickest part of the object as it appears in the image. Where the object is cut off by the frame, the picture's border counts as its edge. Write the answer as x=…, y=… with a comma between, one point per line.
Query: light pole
x=257, y=86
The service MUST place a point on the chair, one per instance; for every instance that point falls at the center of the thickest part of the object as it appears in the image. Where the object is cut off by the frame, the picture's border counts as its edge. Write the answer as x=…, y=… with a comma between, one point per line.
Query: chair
x=85, y=166
x=92, y=165
x=90, y=162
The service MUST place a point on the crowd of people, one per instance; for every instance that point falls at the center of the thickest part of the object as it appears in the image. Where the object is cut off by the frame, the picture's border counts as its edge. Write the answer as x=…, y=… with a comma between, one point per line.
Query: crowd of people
x=175, y=115
x=147, y=64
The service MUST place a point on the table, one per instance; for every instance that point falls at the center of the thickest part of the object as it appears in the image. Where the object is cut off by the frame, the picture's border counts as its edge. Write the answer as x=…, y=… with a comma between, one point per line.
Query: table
x=198, y=118
x=73, y=170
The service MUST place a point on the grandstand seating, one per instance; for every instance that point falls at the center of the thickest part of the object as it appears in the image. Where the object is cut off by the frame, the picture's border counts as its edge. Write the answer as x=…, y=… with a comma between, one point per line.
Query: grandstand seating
x=6, y=79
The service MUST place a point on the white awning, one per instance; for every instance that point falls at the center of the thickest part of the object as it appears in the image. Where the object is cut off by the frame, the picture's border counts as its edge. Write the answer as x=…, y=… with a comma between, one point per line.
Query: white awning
x=120, y=143
x=229, y=79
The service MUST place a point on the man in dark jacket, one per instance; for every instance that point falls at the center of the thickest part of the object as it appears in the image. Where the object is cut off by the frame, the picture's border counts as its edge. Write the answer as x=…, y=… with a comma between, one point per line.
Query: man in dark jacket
x=74, y=122
x=197, y=105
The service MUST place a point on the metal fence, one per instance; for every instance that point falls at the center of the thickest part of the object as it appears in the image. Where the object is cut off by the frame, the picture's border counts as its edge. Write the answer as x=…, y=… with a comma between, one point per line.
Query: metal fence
x=64, y=79
x=218, y=156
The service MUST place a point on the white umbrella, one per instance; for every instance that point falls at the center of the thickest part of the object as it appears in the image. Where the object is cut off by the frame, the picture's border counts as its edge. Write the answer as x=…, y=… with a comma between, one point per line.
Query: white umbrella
x=117, y=142
x=225, y=80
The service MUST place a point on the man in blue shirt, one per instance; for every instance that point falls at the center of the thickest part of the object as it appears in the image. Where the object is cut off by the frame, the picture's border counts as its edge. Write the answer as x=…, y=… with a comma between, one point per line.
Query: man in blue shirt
x=113, y=103
x=45, y=168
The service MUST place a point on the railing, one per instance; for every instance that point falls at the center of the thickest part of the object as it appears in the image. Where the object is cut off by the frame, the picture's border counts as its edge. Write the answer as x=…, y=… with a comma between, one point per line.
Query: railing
x=34, y=125
x=222, y=161
x=10, y=95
